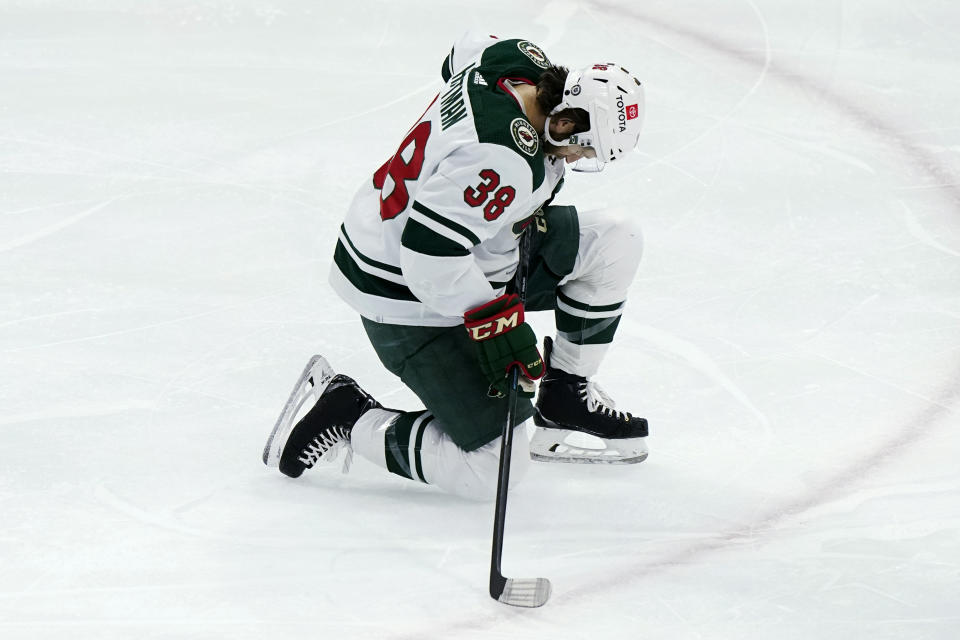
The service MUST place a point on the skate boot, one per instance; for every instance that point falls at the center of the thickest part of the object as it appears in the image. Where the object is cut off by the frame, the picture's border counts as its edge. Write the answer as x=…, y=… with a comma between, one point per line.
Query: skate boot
x=325, y=429
x=577, y=422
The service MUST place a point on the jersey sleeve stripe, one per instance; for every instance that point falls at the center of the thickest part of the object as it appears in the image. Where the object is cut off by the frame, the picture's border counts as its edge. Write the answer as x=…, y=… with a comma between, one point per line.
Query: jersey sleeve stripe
x=422, y=239
x=468, y=238
x=367, y=282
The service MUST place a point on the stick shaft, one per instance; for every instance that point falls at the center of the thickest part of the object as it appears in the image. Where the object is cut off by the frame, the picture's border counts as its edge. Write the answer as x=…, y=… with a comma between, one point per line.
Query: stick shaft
x=497, y=581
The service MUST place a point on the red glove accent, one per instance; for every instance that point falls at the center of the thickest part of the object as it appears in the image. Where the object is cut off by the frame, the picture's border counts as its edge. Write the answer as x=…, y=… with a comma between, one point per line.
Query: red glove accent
x=494, y=318
x=503, y=340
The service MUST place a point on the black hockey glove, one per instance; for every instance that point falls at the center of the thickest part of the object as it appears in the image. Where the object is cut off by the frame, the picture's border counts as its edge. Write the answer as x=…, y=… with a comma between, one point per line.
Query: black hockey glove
x=503, y=339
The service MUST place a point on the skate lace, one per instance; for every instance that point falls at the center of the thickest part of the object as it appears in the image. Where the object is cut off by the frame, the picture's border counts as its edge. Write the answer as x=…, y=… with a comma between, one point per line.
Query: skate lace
x=599, y=402
x=326, y=447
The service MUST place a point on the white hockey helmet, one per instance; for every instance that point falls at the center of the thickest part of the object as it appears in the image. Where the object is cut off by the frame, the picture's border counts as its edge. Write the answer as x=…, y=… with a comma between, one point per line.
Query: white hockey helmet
x=614, y=100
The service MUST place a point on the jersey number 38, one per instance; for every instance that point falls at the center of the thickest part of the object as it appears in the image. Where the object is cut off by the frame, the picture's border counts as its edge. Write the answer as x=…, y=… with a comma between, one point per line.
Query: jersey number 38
x=480, y=194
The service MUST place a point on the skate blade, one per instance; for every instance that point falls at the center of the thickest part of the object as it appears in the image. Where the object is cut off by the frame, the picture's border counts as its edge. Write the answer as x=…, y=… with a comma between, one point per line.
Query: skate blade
x=314, y=379
x=578, y=458
x=573, y=447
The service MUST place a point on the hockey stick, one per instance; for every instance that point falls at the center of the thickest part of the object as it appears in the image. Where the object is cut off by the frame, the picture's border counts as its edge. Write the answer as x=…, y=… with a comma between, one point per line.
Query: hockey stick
x=519, y=592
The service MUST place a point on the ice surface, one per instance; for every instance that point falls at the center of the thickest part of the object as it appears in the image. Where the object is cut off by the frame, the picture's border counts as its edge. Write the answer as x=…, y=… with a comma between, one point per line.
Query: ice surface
x=172, y=176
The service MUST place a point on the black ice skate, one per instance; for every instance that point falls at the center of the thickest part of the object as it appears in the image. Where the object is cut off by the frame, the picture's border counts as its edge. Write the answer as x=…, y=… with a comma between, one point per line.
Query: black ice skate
x=325, y=430
x=577, y=422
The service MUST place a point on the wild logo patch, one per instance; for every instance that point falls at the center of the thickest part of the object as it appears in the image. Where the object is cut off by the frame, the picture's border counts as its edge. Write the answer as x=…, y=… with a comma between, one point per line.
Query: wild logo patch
x=535, y=53
x=525, y=136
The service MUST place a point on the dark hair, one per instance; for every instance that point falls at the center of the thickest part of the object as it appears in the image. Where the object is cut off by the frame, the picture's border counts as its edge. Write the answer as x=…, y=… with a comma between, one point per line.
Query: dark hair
x=550, y=93
x=550, y=87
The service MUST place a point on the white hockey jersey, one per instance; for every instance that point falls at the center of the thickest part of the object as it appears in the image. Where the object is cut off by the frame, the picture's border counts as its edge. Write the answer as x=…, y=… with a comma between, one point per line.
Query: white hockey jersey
x=435, y=231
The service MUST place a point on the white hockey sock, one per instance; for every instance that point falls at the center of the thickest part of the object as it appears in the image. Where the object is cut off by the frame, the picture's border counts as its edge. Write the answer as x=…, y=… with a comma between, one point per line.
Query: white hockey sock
x=578, y=359
x=366, y=438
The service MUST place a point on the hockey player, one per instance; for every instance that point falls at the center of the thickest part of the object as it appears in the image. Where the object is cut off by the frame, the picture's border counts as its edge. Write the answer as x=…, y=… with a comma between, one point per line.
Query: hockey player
x=427, y=255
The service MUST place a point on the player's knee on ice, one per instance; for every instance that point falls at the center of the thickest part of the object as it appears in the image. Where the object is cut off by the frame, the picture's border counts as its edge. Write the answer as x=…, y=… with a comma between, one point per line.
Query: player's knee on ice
x=472, y=474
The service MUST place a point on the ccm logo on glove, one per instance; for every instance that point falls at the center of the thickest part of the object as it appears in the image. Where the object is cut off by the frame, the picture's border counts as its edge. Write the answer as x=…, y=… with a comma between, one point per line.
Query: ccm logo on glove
x=503, y=340
x=498, y=325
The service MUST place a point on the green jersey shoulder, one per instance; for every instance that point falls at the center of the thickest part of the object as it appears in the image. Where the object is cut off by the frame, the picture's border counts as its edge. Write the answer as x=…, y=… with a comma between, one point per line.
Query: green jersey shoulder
x=513, y=58
x=494, y=111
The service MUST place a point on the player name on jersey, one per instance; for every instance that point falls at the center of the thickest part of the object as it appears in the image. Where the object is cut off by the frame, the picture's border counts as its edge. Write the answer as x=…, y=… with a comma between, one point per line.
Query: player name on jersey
x=452, y=107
